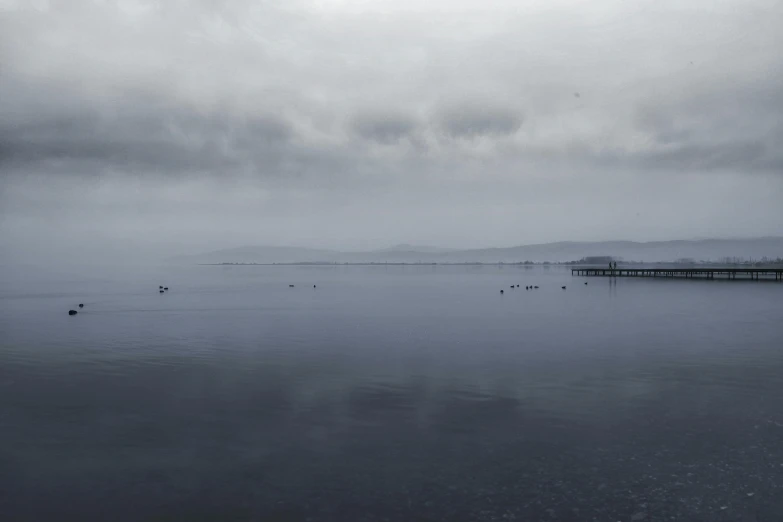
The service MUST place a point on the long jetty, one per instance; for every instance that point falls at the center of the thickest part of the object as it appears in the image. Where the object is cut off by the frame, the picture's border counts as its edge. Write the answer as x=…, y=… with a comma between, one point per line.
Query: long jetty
x=756, y=274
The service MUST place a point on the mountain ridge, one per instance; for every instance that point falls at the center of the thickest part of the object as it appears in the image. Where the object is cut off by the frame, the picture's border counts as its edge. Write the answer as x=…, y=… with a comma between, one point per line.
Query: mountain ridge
x=712, y=250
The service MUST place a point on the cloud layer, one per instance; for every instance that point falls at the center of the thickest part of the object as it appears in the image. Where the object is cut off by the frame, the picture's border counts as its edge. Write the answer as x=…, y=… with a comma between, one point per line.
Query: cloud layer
x=350, y=124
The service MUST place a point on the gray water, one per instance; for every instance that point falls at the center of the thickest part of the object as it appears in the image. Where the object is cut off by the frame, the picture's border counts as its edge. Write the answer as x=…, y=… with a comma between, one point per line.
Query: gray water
x=388, y=393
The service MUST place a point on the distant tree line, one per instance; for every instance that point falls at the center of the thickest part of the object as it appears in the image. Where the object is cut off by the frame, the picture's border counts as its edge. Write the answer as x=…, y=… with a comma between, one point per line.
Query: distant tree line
x=750, y=261
x=733, y=261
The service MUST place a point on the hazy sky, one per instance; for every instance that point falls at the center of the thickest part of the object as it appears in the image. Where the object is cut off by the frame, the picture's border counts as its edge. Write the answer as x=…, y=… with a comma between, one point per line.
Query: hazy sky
x=161, y=127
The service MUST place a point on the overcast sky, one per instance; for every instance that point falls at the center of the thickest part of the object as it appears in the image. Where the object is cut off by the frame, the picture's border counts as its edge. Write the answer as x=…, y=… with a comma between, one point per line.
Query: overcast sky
x=166, y=127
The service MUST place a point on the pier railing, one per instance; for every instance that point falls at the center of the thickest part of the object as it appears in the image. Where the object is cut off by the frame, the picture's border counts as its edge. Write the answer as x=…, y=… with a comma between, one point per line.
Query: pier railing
x=775, y=274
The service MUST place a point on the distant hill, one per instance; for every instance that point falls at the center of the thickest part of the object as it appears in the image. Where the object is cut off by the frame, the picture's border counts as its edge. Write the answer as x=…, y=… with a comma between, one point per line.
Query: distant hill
x=260, y=254
x=405, y=247
x=657, y=251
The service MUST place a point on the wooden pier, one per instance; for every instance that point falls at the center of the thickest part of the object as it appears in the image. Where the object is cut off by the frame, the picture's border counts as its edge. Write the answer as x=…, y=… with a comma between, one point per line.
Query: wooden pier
x=756, y=274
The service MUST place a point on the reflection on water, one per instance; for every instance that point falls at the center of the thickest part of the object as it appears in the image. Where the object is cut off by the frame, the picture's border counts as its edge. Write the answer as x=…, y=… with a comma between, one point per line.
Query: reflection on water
x=389, y=393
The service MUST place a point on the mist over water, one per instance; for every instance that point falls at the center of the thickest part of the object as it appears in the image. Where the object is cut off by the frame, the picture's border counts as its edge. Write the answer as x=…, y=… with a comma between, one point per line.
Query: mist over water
x=388, y=393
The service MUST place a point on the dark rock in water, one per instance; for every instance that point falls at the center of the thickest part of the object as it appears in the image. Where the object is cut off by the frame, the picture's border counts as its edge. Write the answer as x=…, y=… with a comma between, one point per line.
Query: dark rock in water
x=81, y=305
x=72, y=312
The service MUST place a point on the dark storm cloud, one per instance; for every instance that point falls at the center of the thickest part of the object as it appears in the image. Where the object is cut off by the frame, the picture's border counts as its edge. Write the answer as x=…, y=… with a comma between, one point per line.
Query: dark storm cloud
x=159, y=141
x=685, y=157
x=148, y=134
x=471, y=121
x=729, y=128
x=674, y=157
x=694, y=157
x=384, y=128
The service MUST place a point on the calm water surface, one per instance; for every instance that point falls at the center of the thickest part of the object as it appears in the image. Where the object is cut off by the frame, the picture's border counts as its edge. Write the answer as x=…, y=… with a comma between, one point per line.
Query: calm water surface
x=388, y=393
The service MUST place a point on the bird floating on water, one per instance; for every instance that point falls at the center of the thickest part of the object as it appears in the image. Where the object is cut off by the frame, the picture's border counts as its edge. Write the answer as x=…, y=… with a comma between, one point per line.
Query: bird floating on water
x=72, y=312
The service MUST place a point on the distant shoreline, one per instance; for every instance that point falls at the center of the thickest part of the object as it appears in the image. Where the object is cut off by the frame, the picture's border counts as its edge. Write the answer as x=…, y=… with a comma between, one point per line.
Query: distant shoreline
x=525, y=264
x=712, y=252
